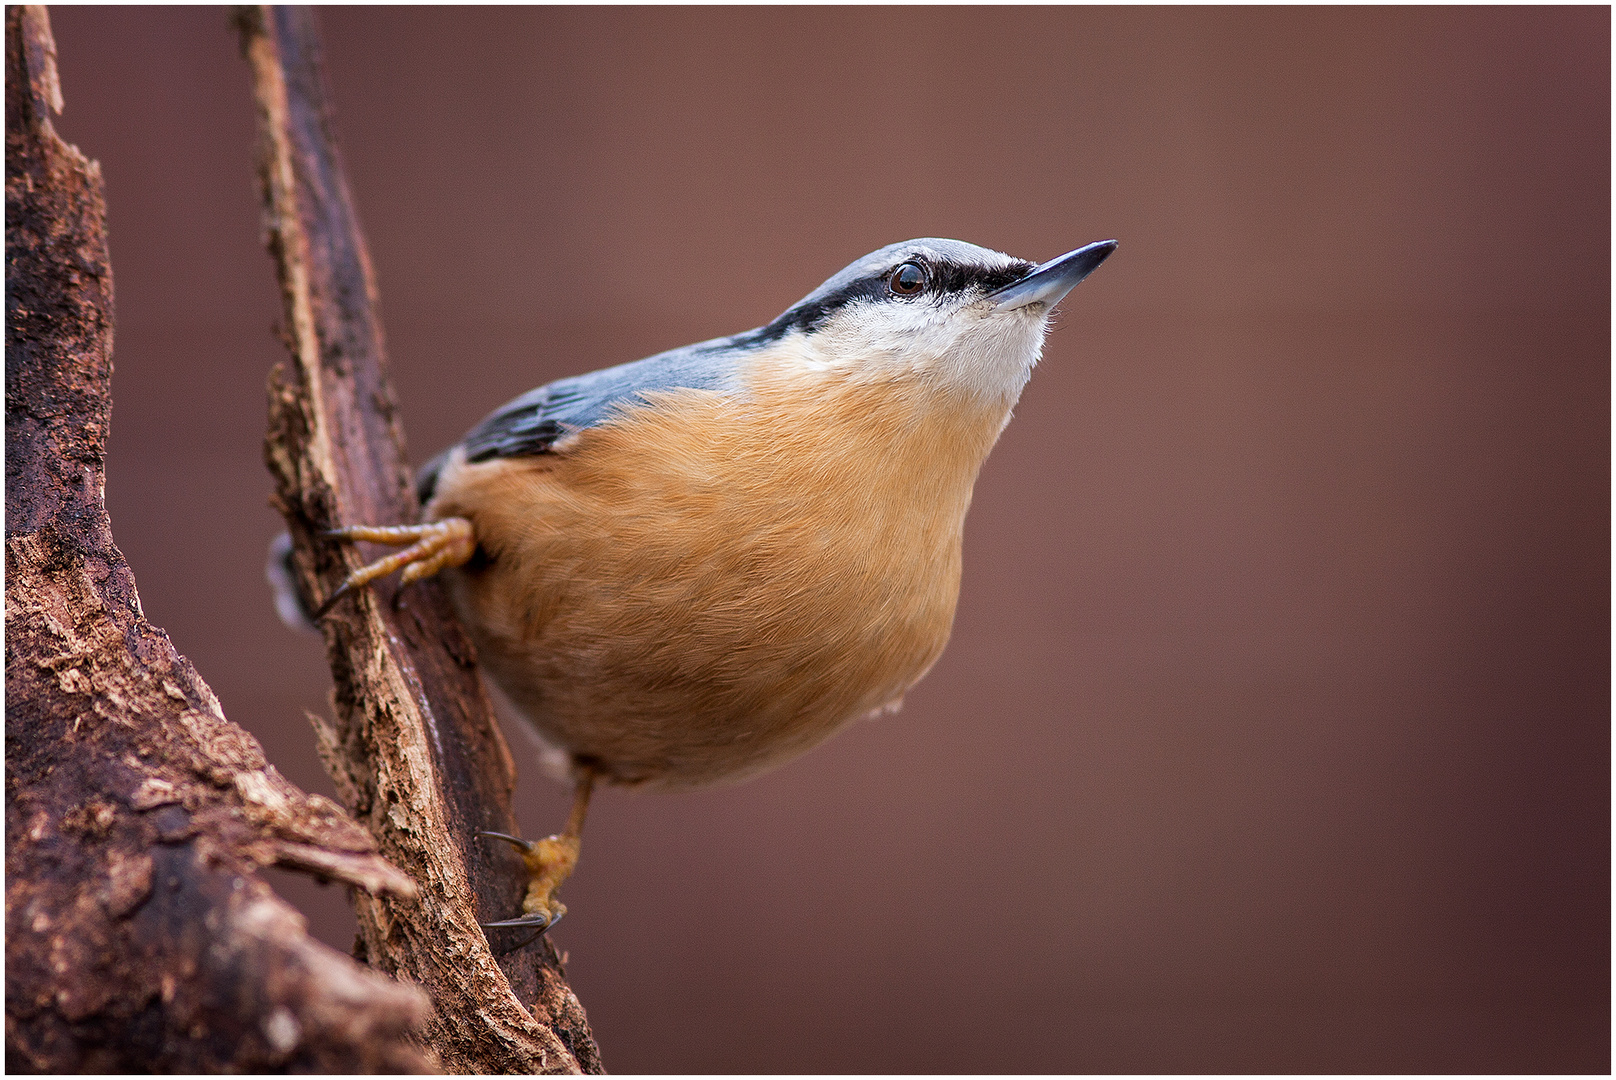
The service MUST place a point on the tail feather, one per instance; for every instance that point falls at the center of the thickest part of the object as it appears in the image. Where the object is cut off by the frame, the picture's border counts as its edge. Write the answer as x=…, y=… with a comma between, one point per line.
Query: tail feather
x=290, y=603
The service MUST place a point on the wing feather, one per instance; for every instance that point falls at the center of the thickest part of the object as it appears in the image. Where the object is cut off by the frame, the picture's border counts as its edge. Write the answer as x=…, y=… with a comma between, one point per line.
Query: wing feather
x=532, y=423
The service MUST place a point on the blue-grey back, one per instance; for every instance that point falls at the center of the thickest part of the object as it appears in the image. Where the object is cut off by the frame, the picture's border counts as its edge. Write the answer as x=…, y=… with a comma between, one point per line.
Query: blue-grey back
x=533, y=422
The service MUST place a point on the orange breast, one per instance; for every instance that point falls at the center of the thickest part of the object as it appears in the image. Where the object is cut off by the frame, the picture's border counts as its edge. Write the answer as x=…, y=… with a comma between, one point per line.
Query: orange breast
x=706, y=586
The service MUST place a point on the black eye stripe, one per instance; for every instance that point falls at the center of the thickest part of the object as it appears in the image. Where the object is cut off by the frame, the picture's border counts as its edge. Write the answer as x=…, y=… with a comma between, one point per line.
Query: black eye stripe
x=953, y=278
x=942, y=278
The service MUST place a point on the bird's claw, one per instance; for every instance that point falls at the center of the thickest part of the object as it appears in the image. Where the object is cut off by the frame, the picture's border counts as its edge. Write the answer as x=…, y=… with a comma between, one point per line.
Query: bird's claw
x=549, y=862
x=330, y=602
x=428, y=548
x=543, y=922
x=524, y=846
x=539, y=923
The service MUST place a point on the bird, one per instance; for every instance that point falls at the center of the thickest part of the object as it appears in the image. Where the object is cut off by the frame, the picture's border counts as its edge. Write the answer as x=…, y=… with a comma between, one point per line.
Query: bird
x=690, y=568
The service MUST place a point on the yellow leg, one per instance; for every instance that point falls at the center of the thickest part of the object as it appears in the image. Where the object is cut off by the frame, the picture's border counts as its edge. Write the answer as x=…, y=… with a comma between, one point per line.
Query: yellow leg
x=550, y=861
x=432, y=547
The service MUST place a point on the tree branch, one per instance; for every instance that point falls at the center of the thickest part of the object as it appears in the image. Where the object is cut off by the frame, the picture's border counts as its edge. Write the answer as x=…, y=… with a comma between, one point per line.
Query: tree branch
x=138, y=936
x=414, y=750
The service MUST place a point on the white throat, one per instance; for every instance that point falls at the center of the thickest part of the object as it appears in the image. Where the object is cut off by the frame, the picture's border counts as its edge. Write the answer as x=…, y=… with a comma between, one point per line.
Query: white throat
x=970, y=350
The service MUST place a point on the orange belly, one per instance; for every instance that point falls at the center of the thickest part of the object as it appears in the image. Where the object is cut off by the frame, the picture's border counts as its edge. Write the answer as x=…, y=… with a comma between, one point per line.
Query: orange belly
x=702, y=588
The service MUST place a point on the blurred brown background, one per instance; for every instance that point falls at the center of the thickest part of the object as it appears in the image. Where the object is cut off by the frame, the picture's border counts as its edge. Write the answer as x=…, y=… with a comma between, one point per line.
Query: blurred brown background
x=1274, y=730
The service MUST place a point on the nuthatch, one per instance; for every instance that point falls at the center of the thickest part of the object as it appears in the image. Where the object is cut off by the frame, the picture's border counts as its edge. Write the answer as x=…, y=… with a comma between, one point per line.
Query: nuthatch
x=690, y=568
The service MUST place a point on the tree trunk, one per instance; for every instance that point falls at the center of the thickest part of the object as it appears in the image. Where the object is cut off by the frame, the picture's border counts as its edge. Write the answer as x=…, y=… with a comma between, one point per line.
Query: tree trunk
x=138, y=934
x=415, y=750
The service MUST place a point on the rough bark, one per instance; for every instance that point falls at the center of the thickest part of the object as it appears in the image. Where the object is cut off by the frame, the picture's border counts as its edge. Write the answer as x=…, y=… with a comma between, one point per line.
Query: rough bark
x=138, y=936
x=414, y=748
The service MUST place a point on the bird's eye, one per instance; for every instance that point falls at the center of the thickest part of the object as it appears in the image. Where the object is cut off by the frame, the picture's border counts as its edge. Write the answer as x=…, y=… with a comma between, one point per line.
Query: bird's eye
x=907, y=280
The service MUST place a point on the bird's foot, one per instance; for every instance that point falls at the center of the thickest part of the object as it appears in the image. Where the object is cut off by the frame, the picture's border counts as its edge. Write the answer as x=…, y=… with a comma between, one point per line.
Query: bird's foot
x=432, y=547
x=549, y=863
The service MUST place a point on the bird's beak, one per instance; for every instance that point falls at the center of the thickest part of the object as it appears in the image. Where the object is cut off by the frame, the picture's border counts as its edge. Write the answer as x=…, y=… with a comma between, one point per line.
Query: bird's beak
x=1050, y=283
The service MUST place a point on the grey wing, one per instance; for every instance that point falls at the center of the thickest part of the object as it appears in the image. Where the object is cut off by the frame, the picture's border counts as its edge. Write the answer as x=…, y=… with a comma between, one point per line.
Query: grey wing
x=533, y=423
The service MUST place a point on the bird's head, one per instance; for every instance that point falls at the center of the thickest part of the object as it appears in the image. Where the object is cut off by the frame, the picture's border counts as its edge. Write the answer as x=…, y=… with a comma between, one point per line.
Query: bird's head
x=945, y=312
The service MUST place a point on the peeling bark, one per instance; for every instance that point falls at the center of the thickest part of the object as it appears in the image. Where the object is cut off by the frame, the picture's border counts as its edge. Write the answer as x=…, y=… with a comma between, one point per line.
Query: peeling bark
x=414, y=748
x=138, y=935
